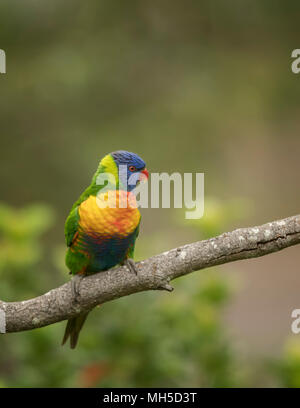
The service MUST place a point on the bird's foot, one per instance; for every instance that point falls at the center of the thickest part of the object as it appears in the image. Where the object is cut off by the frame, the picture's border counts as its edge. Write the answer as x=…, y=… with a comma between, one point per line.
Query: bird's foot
x=75, y=286
x=166, y=286
x=131, y=265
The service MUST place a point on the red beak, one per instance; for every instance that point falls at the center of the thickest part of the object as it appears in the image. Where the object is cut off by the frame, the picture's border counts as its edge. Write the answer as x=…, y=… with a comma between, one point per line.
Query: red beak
x=144, y=175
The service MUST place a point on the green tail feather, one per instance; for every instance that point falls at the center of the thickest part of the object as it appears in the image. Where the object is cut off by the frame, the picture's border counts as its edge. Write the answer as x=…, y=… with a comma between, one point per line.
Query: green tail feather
x=73, y=328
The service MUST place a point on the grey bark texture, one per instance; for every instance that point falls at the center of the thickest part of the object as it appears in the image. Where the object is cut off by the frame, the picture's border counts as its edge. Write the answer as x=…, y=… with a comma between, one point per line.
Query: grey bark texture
x=154, y=273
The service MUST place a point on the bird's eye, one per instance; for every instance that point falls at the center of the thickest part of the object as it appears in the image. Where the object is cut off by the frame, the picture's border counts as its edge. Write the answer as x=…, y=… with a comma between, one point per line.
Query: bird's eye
x=132, y=168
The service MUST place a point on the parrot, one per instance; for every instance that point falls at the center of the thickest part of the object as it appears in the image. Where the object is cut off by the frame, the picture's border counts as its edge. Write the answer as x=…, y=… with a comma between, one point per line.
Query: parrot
x=98, y=235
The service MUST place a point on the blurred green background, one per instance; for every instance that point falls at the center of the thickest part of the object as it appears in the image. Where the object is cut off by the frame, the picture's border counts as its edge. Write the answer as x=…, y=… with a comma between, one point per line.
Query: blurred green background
x=195, y=86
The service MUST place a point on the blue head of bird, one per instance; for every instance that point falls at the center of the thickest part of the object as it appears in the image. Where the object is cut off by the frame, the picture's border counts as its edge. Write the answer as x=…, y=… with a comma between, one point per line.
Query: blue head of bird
x=131, y=169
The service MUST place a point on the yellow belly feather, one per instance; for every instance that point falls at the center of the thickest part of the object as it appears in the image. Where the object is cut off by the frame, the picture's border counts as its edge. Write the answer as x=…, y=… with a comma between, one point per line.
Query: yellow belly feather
x=97, y=217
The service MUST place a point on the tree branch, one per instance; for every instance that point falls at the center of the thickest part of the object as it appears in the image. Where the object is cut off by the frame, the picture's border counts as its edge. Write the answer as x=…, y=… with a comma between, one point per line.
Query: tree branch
x=154, y=273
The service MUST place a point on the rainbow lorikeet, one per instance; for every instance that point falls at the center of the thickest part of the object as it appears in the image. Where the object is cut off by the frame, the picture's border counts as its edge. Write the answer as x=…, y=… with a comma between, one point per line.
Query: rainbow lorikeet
x=102, y=236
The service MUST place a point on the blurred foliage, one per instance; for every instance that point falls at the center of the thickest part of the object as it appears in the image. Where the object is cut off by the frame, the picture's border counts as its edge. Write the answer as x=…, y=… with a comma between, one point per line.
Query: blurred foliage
x=150, y=339
x=287, y=369
x=21, y=249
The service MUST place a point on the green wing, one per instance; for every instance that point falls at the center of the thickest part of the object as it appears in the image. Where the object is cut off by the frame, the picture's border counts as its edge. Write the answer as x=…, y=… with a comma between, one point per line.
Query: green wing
x=75, y=261
x=130, y=253
x=71, y=226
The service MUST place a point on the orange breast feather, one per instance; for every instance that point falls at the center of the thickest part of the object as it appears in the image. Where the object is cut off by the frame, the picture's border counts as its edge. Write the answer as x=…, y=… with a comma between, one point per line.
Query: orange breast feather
x=105, y=214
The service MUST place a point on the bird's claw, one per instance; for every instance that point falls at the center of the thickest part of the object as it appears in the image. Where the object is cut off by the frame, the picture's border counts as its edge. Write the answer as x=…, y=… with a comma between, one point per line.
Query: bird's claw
x=131, y=265
x=75, y=286
x=167, y=287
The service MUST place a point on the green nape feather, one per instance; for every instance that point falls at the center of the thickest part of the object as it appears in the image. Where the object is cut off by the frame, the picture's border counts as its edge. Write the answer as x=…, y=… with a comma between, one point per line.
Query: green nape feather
x=107, y=165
